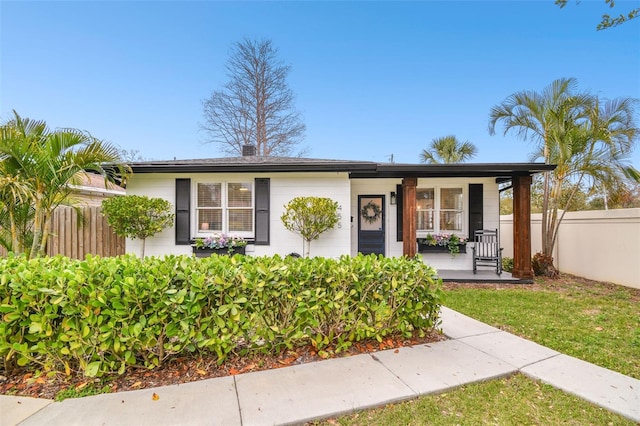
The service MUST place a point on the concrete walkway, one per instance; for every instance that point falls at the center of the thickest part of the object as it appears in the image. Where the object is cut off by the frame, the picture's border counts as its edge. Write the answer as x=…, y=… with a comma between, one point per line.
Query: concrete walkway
x=333, y=387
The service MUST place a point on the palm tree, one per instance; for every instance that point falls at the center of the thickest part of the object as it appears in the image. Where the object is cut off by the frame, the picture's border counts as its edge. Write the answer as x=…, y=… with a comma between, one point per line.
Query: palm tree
x=572, y=130
x=594, y=151
x=16, y=218
x=448, y=150
x=42, y=164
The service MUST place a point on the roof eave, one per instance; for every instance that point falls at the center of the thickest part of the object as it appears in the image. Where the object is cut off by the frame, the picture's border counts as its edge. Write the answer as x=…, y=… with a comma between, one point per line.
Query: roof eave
x=356, y=169
x=250, y=168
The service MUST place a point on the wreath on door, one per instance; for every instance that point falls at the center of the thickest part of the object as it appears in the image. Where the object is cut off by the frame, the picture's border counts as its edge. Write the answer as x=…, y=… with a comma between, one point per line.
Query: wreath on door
x=371, y=212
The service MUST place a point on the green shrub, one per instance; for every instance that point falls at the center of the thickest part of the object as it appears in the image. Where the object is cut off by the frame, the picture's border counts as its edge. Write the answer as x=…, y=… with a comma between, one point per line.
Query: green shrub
x=103, y=315
x=137, y=216
x=309, y=217
x=507, y=264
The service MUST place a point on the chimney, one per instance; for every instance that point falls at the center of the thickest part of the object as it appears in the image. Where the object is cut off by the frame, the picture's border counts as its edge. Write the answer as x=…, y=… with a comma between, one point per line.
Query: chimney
x=248, y=150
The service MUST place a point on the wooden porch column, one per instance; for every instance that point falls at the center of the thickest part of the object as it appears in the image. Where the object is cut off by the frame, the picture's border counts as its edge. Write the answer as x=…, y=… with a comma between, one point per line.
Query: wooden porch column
x=409, y=216
x=522, y=227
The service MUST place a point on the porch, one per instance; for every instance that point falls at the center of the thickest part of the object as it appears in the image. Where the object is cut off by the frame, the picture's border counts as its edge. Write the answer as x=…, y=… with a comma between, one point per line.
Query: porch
x=482, y=276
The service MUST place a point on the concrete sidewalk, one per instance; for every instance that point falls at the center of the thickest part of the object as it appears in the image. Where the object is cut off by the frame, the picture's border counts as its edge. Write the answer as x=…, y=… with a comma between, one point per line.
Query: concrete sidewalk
x=333, y=387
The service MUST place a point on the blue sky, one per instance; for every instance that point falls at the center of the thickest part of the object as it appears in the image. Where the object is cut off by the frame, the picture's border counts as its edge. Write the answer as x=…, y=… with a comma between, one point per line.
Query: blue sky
x=371, y=78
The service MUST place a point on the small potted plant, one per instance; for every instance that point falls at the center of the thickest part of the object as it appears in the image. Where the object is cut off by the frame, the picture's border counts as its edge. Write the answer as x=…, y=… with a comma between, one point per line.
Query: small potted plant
x=221, y=244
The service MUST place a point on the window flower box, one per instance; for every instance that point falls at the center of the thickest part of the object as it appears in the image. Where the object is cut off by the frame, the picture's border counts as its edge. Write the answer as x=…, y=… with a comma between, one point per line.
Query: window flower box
x=220, y=244
x=225, y=251
x=425, y=248
x=442, y=243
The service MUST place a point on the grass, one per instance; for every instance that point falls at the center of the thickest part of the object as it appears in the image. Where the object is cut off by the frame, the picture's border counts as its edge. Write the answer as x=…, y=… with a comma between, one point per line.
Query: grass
x=515, y=400
x=81, y=391
x=596, y=322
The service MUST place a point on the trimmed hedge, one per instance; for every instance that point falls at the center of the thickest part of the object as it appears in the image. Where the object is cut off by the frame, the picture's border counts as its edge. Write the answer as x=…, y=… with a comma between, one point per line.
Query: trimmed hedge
x=102, y=315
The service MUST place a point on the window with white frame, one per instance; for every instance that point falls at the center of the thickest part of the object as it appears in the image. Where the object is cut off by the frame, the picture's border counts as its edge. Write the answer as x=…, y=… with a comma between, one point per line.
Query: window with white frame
x=451, y=213
x=425, y=209
x=224, y=207
x=439, y=210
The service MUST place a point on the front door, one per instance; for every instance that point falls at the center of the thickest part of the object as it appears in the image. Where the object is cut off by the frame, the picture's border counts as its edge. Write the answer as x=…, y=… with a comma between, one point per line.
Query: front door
x=371, y=224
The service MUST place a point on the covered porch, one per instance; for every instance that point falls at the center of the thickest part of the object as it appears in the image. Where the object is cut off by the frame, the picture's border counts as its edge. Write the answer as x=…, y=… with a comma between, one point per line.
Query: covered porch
x=517, y=176
x=522, y=269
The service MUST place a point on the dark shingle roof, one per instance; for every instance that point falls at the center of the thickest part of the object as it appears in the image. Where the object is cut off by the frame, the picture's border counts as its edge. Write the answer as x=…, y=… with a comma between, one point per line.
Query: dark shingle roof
x=357, y=169
x=251, y=164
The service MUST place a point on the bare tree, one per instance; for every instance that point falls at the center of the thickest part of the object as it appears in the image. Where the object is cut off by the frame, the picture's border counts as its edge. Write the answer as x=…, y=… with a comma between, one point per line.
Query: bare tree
x=256, y=106
x=130, y=155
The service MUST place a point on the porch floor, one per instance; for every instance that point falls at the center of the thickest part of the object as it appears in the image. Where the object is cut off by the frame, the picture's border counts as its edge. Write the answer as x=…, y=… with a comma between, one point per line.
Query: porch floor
x=482, y=276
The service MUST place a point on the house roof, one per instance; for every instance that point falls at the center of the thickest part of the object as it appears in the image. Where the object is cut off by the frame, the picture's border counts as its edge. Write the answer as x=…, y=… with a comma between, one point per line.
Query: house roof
x=91, y=182
x=356, y=169
x=251, y=164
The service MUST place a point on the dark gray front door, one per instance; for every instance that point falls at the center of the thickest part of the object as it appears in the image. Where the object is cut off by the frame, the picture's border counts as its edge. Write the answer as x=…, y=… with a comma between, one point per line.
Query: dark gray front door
x=371, y=224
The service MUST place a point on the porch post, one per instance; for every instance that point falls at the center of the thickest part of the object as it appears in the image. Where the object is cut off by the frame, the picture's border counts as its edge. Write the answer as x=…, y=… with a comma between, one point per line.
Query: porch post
x=409, y=216
x=522, y=227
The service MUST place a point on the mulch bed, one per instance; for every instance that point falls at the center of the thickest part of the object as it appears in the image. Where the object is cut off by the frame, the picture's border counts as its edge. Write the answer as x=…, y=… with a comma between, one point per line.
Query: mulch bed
x=189, y=369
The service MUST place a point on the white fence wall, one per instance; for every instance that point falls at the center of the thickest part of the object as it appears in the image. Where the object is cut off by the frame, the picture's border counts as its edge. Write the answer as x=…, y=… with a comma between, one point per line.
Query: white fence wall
x=601, y=245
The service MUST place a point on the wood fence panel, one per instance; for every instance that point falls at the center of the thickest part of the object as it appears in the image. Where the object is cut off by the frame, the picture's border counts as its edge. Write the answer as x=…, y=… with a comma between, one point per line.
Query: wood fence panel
x=76, y=236
x=99, y=236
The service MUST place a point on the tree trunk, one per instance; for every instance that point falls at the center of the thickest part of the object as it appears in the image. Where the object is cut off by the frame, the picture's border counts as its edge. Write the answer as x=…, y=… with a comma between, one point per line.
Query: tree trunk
x=545, y=214
x=545, y=198
x=37, y=229
x=16, y=246
x=46, y=223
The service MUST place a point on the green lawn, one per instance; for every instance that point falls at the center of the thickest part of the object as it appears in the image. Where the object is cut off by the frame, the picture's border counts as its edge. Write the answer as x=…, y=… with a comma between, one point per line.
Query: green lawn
x=596, y=322
x=516, y=400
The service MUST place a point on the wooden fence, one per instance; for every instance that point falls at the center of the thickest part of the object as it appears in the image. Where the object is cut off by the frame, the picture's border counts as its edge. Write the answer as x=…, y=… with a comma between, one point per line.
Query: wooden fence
x=76, y=236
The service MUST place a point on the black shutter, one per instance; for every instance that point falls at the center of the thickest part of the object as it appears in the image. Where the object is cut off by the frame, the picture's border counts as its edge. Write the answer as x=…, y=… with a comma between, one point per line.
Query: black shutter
x=399, y=212
x=262, y=211
x=475, y=208
x=183, y=211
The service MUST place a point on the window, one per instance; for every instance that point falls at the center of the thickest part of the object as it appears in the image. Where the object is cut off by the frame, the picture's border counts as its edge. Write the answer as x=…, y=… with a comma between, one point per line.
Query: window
x=240, y=207
x=439, y=210
x=425, y=209
x=209, y=207
x=224, y=207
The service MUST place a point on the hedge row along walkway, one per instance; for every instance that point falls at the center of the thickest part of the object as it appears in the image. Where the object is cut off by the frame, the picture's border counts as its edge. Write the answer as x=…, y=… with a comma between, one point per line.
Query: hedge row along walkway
x=296, y=394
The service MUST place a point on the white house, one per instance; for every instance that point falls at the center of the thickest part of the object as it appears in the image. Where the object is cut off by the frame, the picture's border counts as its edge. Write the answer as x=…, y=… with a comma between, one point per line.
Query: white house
x=384, y=207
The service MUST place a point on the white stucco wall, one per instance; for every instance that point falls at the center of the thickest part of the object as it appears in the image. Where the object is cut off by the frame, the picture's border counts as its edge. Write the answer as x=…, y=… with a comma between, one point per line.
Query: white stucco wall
x=601, y=245
x=283, y=187
x=343, y=239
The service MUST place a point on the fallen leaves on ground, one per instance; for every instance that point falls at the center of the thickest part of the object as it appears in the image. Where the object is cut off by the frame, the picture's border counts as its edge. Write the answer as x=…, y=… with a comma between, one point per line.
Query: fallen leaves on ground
x=191, y=368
